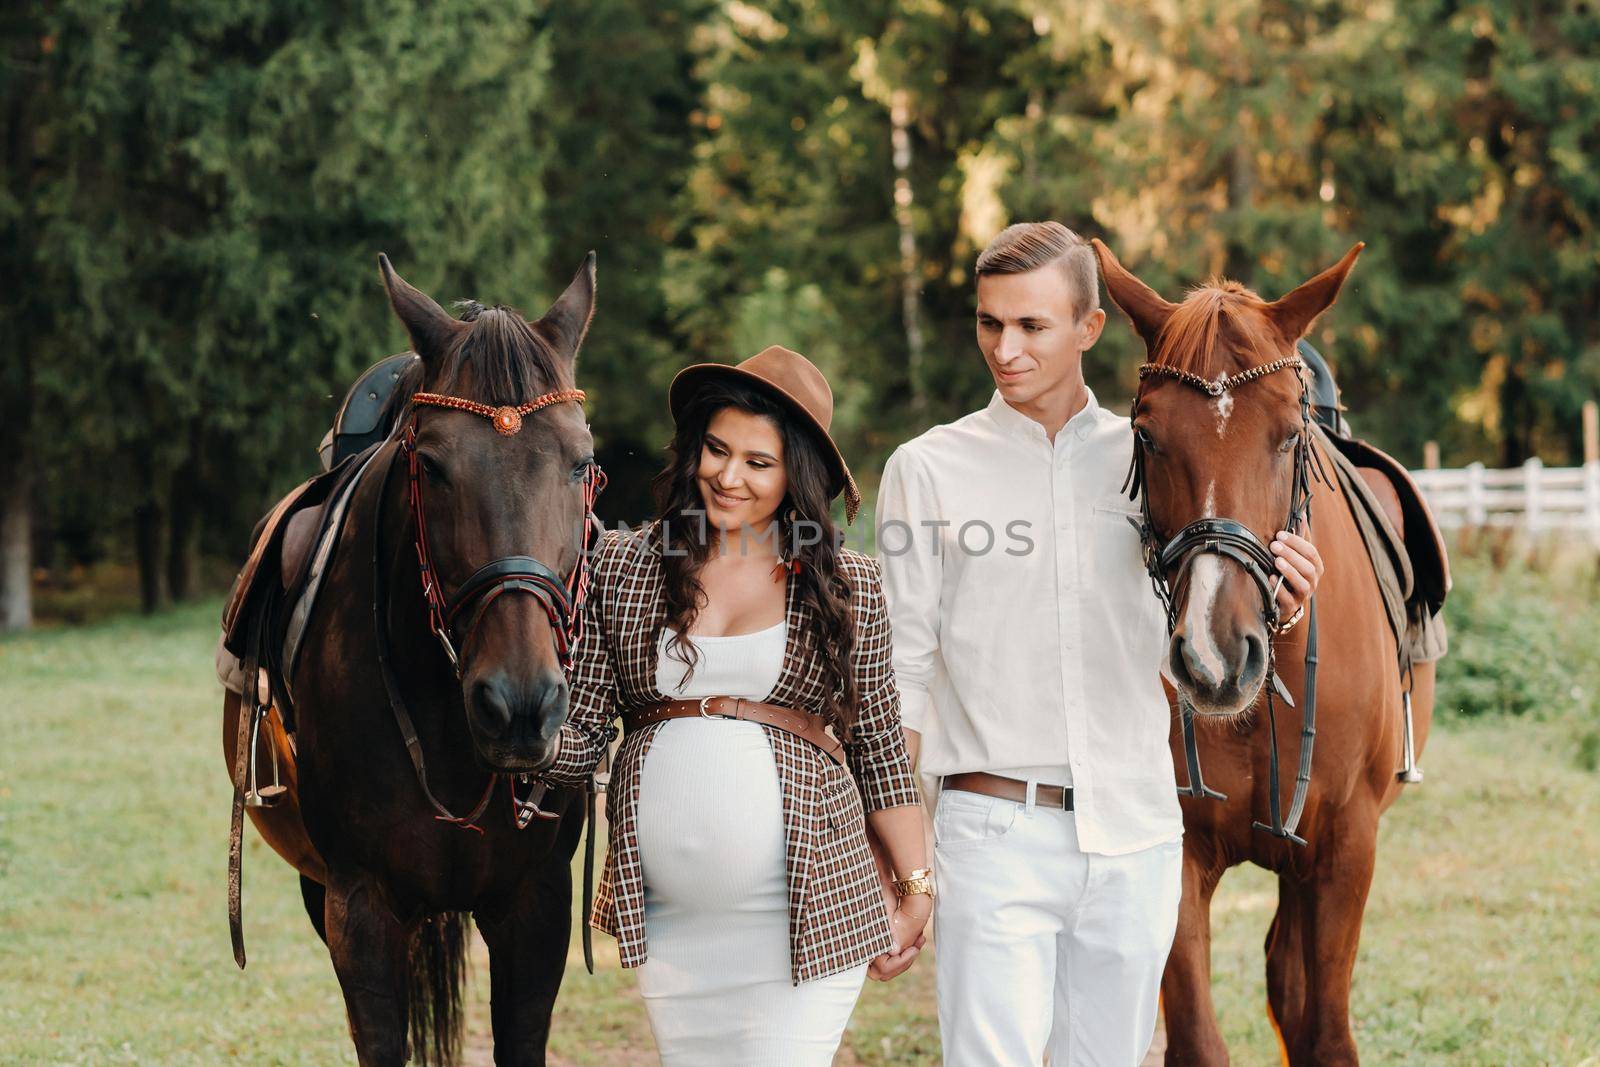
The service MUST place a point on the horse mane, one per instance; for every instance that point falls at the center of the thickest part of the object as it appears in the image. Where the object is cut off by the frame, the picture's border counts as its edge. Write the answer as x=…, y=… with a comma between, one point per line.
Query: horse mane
x=1220, y=326
x=501, y=361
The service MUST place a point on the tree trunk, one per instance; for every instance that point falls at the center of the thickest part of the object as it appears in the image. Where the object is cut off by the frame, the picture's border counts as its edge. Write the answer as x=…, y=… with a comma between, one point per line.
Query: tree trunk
x=16, y=560
x=910, y=268
x=147, y=540
x=183, y=525
x=147, y=544
x=1514, y=436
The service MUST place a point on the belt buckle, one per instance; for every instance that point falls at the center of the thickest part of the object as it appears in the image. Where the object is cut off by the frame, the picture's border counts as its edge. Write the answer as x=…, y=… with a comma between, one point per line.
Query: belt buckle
x=704, y=714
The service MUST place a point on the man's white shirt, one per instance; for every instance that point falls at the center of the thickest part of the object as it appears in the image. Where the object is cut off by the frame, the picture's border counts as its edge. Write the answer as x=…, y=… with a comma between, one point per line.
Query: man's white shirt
x=1027, y=639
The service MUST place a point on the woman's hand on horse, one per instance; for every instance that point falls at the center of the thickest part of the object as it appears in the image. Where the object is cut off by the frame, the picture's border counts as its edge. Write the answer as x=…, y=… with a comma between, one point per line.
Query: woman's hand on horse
x=1301, y=566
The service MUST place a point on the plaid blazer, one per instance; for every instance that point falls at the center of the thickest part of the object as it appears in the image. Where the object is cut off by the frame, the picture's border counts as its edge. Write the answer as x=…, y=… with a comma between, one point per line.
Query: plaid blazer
x=836, y=917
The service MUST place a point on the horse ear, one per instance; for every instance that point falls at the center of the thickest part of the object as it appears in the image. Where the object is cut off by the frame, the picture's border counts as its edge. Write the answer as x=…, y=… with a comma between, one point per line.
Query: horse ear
x=567, y=322
x=427, y=323
x=1143, y=305
x=1294, y=313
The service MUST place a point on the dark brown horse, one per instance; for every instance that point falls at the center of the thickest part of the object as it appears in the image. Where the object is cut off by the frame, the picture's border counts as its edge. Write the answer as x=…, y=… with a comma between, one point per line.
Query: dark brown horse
x=1230, y=451
x=386, y=882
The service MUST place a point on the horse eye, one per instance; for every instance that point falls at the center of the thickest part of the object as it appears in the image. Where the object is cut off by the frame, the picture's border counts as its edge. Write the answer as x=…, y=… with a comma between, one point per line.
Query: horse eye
x=1288, y=446
x=432, y=469
x=1146, y=442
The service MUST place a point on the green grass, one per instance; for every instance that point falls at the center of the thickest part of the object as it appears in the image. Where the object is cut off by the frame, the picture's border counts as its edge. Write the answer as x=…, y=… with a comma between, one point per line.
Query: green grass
x=1481, y=944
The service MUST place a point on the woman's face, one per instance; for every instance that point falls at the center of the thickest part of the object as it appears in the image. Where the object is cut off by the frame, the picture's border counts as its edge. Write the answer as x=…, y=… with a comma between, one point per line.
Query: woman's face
x=741, y=477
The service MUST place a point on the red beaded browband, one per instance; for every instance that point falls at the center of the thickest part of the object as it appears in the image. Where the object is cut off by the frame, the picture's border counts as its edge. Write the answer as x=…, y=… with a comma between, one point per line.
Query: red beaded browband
x=507, y=420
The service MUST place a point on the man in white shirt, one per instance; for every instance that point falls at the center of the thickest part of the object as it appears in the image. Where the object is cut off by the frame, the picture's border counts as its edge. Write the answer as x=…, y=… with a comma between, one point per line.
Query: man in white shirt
x=1027, y=642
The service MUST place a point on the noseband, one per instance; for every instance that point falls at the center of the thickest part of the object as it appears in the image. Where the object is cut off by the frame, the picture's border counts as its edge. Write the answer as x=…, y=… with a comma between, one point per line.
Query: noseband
x=453, y=619
x=1236, y=541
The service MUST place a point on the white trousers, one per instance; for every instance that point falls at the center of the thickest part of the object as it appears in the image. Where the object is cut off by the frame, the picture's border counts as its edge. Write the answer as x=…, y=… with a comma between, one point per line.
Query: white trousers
x=1046, y=954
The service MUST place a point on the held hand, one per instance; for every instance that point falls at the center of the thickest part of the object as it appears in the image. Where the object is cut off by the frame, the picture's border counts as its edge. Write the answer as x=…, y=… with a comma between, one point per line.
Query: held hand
x=907, y=923
x=1300, y=564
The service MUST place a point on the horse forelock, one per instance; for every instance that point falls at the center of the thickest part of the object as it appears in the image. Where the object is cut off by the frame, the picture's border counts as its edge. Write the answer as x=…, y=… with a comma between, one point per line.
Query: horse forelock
x=1220, y=327
x=502, y=360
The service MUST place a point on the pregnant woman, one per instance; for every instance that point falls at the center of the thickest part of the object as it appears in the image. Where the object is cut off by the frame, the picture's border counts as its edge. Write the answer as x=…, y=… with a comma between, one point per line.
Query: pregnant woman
x=748, y=655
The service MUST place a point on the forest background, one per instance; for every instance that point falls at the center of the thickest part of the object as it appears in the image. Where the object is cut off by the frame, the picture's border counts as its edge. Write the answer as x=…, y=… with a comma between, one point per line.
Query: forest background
x=194, y=192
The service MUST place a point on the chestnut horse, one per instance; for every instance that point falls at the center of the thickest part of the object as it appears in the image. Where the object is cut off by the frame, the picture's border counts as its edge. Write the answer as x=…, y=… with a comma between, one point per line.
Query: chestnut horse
x=1229, y=448
x=387, y=878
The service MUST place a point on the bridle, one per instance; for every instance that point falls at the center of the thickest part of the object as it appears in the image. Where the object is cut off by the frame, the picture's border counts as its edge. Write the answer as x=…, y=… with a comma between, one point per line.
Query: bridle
x=560, y=598
x=453, y=619
x=1236, y=541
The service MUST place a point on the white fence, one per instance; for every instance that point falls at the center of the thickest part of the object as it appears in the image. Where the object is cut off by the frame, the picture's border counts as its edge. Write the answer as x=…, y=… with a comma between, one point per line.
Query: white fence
x=1533, y=498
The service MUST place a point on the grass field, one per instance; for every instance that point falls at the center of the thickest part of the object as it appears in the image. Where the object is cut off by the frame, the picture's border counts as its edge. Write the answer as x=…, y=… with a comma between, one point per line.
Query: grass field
x=1481, y=945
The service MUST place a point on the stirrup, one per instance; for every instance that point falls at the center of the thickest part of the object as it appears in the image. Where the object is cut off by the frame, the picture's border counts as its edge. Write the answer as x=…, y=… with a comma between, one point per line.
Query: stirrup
x=258, y=796
x=1409, y=772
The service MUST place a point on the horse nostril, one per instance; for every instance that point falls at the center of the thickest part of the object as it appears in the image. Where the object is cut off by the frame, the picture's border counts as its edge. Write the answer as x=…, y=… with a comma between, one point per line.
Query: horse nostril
x=1192, y=666
x=550, y=707
x=1255, y=662
x=494, y=701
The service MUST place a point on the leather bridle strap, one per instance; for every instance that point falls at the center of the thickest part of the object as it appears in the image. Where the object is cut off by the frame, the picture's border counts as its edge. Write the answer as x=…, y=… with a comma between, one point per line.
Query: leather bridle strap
x=1282, y=827
x=397, y=700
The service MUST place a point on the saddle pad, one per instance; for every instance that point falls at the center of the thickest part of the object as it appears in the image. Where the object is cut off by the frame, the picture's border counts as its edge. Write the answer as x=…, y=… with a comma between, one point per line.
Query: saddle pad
x=333, y=516
x=1418, y=628
x=1425, y=546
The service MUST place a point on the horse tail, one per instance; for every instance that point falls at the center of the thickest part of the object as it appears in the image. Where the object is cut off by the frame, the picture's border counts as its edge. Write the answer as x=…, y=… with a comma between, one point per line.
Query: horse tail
x=437, y=966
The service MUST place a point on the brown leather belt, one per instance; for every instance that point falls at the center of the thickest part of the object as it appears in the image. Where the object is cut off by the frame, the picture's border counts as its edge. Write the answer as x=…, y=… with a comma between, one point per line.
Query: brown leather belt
x=800, y=723
x=993, y=785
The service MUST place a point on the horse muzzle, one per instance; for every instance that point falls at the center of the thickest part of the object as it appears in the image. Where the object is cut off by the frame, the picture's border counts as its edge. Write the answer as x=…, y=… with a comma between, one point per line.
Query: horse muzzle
x=1216, y=680
x=515, y=722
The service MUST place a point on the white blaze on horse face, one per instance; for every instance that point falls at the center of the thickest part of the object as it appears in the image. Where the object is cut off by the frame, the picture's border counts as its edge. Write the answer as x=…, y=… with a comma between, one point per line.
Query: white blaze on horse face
x=1224, y=409
x=1210, y=511
x=1205, y=583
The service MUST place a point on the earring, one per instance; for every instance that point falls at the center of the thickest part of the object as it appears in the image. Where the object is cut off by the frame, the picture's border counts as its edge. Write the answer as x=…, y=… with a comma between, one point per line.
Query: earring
x=786, y=558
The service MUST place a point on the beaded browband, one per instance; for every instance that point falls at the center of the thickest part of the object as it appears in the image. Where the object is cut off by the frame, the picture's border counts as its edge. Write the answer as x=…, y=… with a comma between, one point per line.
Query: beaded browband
x=507, y=420
x=1222, y=382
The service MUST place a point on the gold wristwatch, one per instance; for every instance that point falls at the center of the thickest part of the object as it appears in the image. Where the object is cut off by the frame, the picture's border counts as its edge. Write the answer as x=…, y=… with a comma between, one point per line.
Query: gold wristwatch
x=918, y=881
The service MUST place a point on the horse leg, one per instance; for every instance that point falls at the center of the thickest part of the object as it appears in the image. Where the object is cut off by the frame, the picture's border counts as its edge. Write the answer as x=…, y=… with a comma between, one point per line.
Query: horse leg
x=1334, y=898
x=315, y=896
x=368, y=945
x=1286, y=975
x=1193, y=1036
x=527, y=957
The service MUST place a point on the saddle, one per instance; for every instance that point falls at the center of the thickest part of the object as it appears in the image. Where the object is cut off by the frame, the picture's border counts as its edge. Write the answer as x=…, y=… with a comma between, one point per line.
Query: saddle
x=275, y=592
x=277, y=588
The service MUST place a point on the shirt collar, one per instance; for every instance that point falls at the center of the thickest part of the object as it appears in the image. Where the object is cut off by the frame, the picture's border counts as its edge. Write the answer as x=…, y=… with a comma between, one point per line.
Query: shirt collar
x=1015, y=423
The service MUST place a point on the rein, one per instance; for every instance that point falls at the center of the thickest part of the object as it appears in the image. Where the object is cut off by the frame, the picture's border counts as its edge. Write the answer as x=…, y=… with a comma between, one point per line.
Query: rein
x=1236, y=541
x=562, y=599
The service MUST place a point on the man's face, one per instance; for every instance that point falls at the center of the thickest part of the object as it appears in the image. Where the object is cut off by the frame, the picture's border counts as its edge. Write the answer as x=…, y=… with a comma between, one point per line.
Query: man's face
x=1029, y=338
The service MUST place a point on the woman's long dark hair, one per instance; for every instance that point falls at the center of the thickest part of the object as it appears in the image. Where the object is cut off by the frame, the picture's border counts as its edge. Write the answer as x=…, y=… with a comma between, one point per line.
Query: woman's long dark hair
x=809, y=536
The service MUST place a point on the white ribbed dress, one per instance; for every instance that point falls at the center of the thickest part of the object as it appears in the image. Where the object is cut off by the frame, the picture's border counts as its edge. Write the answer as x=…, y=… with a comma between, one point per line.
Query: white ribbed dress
x=717, y=983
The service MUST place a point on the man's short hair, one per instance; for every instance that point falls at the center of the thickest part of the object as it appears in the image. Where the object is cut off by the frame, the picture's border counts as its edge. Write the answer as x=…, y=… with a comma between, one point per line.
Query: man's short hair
x=1026, y=246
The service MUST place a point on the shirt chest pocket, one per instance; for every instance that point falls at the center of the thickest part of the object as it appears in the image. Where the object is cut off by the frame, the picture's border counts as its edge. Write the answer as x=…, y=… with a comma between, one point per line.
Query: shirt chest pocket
x=1114, y=545
x=1115, y=563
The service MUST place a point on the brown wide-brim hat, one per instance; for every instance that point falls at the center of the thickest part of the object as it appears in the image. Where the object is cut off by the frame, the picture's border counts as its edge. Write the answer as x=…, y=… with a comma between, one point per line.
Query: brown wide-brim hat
x=796, y=383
